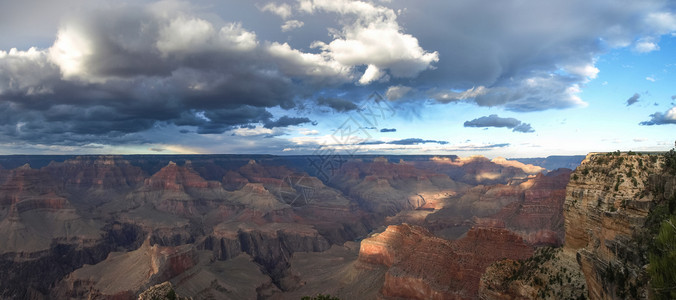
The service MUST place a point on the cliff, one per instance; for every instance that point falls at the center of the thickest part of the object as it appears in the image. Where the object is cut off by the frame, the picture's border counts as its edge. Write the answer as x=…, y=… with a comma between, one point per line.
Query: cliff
x=608, y=202
x=422, y=266
x=610, y=216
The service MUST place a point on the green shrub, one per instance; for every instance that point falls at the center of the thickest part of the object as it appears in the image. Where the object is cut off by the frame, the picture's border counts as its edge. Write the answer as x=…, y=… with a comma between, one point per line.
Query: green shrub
x=662, y=267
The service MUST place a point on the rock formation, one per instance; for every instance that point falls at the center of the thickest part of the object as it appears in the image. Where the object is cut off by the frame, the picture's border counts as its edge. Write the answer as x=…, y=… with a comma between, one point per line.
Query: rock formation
x=608, y=206
x=422, y=266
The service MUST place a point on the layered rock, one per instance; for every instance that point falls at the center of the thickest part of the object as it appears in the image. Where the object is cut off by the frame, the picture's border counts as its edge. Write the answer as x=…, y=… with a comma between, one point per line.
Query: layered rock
x=422, y=266
x=179, y=190
x=539, y=217
x=124, y=275
x=36, y=213
x=387, y=188
x=607, y=203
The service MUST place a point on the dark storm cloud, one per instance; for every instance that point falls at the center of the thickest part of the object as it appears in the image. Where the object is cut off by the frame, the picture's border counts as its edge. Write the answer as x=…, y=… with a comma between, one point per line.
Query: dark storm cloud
x=659, y=118
x=527, y=55
x=285, y=121
x=633, y=99
x=122, y=71
x=388, y=130
x=337, y=104
x=496, y=121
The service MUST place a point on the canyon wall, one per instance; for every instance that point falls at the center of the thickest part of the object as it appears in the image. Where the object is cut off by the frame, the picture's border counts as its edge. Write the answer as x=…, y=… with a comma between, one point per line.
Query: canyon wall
x=608, y=211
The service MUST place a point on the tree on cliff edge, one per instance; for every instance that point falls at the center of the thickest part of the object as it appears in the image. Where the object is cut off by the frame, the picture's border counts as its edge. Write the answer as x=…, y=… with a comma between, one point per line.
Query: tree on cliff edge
x=662, y=266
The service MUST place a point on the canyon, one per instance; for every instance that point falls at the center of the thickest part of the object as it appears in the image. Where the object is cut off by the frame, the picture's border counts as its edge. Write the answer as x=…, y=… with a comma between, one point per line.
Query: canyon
x=259, y=226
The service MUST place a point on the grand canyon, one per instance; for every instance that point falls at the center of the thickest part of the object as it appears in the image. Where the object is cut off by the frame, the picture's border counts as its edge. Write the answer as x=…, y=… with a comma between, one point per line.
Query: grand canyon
x=337, y=149
x=378, y=227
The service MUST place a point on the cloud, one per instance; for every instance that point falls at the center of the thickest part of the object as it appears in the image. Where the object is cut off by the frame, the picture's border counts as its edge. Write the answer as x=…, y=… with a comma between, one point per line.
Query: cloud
x=337, y=104
x=523, y=127
x=374, y=39
x=285, y=121
x=397, y=92
x=525, y=59
x=291, y=25
x=404, y=142
x=640, y=140
x=113, y=74
x=283, y=10
x=658, y=118
x=388, y=130
x=633, y=99
x=415, y=141
x=646, y=45
x=673, y=97
x=496, y=121
x=650, y=78
x=157, y=149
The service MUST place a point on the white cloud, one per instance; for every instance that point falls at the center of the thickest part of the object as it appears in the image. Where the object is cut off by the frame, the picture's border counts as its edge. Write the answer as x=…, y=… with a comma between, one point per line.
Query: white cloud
x=314, y=66
x=283, y=10
x=650, y=78
x=586, y=70
x=372, y=74
x=645, y=46
x=291, y=25
x=70, y=51
x=192, y=35
x=375, y=39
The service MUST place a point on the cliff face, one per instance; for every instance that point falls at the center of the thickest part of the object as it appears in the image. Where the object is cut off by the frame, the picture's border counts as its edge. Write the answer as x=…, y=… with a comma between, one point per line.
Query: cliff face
x=422, y=266
x=607, y=203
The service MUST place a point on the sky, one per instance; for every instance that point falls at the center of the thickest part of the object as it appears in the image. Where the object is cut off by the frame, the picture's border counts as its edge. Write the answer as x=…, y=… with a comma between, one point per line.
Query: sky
x=510, y=78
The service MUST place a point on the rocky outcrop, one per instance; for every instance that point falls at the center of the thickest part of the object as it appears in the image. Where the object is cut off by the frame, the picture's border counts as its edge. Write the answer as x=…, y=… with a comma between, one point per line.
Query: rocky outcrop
x=162, y=291
x=607, y=203
x=422, y=266
x=550, y=273
x=607, y=209
x=124, y=275
x=271, y=245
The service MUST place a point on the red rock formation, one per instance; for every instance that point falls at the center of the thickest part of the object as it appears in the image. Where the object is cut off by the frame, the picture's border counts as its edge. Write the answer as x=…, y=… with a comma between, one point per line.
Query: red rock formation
x=233, y=181
x=103, y=172
x=177, y=178
x=422, y=266
x=539, y=217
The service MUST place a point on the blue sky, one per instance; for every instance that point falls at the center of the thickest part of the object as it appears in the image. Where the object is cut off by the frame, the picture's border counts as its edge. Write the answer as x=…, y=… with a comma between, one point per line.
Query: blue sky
x=513, y=79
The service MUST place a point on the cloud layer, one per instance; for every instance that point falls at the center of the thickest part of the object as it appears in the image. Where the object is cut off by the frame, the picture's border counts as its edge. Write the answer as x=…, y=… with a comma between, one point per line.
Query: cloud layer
x=141, y=73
